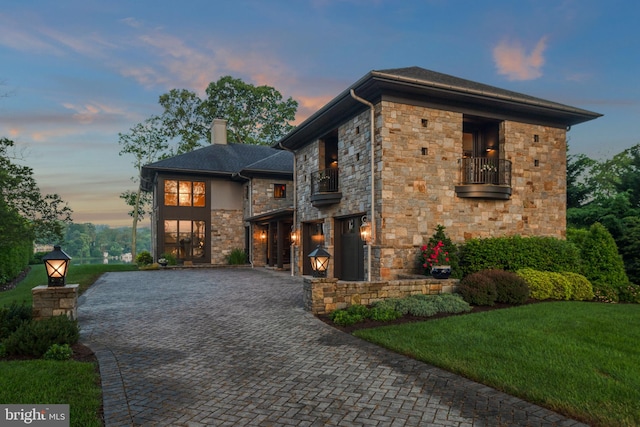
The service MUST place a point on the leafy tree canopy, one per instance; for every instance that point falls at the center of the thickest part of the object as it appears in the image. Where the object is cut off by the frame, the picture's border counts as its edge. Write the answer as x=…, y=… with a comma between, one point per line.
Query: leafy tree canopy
x=44, y=215
x=254, y=114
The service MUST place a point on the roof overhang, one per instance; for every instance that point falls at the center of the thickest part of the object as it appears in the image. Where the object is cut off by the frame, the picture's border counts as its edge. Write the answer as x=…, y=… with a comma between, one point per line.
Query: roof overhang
x=377, y=85
x=279, y=214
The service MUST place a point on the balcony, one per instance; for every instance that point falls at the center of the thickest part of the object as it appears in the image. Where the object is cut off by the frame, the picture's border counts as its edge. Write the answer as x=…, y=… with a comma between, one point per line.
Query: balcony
x=484, y=178
x=324, y=188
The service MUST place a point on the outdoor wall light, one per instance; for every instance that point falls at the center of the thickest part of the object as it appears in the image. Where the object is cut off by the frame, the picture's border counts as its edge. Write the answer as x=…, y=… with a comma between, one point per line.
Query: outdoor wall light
x=56, y=262
x=263, y=235
x=319, y=261
x=294, y=236
x=365, y=230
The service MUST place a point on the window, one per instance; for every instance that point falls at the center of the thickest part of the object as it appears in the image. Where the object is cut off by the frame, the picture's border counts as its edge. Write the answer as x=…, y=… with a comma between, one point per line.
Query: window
x=280, y=191
x=184, y=239
x=184, y=193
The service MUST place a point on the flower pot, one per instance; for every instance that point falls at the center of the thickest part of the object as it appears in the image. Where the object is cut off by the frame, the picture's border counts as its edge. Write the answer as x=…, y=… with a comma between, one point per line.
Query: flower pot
x=441, y=271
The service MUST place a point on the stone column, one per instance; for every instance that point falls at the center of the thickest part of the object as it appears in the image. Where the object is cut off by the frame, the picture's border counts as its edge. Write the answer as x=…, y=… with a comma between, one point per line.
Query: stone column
x=51, y=301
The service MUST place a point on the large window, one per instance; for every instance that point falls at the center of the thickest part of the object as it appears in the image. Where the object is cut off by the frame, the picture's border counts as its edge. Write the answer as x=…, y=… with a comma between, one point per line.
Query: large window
x=184, y=239
x=184, y=193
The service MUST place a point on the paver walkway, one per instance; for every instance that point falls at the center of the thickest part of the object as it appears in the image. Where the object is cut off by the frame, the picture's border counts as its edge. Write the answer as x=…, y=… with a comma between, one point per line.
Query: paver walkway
x=217, y=347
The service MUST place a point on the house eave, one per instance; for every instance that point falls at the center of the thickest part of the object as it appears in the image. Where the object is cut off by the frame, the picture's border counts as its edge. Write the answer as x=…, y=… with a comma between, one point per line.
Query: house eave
x=375, y=85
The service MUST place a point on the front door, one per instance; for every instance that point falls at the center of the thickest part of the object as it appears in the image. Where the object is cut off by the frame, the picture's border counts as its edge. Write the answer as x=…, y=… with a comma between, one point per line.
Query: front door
x=351, y=250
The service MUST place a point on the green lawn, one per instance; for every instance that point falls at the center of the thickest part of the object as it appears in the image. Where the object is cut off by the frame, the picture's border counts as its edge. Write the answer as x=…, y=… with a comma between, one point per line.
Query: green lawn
x=51, y=382
x=578, y=358
x=84, y=275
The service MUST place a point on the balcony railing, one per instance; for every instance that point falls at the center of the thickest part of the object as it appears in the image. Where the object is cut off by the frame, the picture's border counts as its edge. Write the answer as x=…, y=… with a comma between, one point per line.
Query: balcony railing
x=324, y=187
x=484, y=177
x=483, y=170
x=324, y=181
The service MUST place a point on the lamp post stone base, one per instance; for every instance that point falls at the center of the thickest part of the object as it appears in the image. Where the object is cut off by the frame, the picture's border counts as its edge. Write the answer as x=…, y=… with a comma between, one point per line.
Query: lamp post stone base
x=51, y=301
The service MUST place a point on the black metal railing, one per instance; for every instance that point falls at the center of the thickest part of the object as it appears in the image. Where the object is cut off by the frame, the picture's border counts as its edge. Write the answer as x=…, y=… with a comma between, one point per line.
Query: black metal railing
x=324, y=181
x=485, y=170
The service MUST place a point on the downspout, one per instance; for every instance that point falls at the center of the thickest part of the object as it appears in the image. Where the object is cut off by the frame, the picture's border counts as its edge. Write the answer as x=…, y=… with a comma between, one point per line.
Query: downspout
x=295, y=203
x=372, y=239
x=238, y=174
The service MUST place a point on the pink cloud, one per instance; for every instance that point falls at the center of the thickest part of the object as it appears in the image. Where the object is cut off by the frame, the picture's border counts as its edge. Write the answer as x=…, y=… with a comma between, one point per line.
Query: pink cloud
x=513, y=61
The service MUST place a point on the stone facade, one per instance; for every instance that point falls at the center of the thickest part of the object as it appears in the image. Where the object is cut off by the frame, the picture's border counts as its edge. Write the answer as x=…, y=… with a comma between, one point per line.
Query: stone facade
x=418, y=150
x=259, y=199
x=227, y=234
x=52, y=301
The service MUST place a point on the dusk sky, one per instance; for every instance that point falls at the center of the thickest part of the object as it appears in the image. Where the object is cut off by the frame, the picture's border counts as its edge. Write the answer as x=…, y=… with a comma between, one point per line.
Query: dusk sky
x=79, y=72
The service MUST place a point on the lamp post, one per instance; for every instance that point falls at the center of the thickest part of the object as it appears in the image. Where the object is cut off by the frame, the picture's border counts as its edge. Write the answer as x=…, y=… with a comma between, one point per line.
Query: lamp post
x=319, y=261
x=56, y=262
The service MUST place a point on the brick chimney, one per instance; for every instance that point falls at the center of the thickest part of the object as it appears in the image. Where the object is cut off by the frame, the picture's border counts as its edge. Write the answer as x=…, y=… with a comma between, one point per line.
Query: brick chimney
x=219, y=131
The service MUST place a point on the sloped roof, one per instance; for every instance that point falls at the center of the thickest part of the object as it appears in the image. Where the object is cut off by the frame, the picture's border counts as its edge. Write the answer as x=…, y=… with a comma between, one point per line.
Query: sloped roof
x=280, y=162
x=220, y=160
x=426, y=87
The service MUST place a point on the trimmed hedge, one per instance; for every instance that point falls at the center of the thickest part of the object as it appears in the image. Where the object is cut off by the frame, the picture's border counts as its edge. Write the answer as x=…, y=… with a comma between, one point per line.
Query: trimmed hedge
x=601, y=262
x=515, y=253
x=478, y=289
x=487, y=287
x=14, y=259
x=559, y=286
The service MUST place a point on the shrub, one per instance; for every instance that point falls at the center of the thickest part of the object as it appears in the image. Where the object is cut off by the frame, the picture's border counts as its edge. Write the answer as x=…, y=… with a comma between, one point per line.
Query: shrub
x=580, y=287
x=444, y=251
x=354, y=314
x=144, y=258
x=34, y=338
x=510, y=288
x=605, y=294
x=450, y=303
x=12, y=316
x=384, y=314
x=515, y=253
x=58, y=352
x=559, y=286
x=171, y=258
x=478, y=289
x=601, y=263
x=237, y=257
x=630, y=293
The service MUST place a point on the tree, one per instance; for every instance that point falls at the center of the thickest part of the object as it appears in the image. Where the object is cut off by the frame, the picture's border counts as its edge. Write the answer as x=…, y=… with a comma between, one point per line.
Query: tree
x=44, y=214
x=145, y=143
x=579, y=187
x=254, y=114
x=182, y=119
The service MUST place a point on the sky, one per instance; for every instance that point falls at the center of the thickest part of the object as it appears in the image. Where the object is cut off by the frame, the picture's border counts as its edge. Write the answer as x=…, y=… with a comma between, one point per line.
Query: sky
x=76, y=73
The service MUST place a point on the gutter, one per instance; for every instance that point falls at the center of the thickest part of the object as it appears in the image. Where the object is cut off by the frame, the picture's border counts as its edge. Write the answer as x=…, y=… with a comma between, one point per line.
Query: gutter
x=250, y=214
x=372, y=239
x=295, y=210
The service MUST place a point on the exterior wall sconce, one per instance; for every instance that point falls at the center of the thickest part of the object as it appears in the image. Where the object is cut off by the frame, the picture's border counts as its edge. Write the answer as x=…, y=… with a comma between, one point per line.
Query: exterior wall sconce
x=319, y=261
x=365, y=230
x=263, y=235
x=294, y=236
x=56, y=262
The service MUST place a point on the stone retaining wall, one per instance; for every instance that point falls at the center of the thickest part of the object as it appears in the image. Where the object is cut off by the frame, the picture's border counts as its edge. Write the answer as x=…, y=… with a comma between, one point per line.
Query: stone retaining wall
x=324, y=295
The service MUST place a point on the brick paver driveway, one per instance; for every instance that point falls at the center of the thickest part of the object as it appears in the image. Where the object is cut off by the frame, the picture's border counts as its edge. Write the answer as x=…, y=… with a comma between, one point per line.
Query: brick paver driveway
x=213, y=347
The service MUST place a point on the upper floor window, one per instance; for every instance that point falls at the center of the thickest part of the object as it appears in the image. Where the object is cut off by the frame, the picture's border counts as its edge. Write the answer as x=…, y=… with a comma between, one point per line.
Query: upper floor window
x=279, y=191
x=184, y=193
